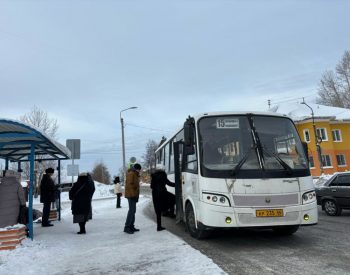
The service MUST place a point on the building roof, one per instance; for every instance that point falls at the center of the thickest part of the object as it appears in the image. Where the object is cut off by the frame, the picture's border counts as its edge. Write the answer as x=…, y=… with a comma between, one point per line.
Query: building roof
x=298, y=111
x=16, y=139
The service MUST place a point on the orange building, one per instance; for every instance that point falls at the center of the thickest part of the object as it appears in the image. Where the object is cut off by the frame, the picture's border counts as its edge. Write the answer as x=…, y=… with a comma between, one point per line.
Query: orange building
x=332, y=131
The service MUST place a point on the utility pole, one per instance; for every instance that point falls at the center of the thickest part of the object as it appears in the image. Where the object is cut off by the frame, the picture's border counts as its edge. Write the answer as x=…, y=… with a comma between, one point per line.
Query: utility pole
x=318, y=140
x=123, y=142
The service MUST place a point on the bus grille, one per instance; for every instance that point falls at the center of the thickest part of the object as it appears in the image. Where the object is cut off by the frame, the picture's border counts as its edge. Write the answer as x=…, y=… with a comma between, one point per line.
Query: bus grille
x=250, y=219
x=265, y=200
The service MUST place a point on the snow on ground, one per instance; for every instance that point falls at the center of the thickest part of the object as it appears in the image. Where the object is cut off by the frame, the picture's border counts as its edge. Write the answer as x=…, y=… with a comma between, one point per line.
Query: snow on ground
x=105, y=249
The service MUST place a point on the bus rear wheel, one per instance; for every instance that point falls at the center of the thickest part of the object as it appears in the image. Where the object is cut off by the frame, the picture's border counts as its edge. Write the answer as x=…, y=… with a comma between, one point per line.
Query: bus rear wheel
x=286, y=230
x=195, y=232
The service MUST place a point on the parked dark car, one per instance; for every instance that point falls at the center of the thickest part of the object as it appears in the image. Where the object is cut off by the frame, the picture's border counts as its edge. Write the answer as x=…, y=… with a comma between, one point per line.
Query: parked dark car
x=334, y=194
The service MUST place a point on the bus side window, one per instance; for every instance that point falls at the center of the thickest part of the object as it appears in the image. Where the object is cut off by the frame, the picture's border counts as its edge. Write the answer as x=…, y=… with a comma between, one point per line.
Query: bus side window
x=171, y=159
x=166, y=157
x=191, y=164
x=159, y=159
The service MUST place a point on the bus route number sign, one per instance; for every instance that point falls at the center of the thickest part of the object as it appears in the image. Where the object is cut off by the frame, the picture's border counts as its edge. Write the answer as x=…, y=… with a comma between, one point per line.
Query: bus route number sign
x=227, y=123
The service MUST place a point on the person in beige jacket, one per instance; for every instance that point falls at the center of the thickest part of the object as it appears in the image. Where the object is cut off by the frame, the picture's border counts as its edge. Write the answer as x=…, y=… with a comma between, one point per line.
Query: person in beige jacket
x=11, y=199
x=117, y=190
x=132, y=192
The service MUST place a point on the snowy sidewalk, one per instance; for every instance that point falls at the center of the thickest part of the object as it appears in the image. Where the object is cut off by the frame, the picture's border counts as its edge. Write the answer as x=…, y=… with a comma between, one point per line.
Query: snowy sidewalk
x=105, y=249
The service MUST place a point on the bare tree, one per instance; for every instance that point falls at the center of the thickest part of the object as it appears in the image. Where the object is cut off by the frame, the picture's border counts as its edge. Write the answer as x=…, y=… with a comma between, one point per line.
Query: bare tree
x=40, y=119
x=121, y=174
x=100, y=173
x=334, y=86
x=149, y=156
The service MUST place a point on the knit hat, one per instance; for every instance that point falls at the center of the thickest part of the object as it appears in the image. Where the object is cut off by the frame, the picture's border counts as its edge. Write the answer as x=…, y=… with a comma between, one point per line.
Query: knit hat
x=136, y=166
x=50, y=171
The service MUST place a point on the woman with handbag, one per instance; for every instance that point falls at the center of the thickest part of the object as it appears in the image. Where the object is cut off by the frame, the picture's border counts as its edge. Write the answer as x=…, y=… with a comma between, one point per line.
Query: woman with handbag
x=81, y=196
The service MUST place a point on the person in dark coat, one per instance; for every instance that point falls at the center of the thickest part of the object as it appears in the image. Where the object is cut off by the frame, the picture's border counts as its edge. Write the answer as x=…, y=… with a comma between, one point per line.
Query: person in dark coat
x=160, y=196
x=48, y=191
x=81, y=195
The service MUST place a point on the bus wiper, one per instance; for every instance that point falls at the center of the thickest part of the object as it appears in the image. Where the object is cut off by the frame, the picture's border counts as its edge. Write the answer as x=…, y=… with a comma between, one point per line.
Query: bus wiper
x=241, y=162
x=280, y=161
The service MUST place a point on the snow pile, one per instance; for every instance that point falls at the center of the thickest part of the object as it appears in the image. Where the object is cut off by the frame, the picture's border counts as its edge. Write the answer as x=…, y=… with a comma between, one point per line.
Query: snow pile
x=103, y=190
x=16, y=226
x=105, y=249
x=319, y=181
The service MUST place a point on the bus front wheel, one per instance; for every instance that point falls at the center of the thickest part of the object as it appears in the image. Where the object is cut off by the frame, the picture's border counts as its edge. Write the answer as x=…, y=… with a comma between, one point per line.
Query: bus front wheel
x=195, y=232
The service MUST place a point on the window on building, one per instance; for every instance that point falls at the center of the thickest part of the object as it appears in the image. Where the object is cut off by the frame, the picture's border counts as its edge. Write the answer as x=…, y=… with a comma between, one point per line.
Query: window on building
x=306, y=135
x=311, y=162
x=322, y=133
x=336, y=134
x=326, y=161
x=341, y=160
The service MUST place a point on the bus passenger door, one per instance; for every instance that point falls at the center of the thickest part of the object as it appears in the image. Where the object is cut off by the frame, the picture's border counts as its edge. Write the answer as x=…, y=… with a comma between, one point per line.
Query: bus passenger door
x=178, y=147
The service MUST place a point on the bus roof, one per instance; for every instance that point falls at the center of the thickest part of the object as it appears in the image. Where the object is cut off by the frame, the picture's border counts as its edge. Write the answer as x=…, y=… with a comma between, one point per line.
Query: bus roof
x=198, y=116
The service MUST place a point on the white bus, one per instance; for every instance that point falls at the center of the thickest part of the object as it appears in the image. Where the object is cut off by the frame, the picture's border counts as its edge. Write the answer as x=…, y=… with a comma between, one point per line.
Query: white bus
x=246, y=170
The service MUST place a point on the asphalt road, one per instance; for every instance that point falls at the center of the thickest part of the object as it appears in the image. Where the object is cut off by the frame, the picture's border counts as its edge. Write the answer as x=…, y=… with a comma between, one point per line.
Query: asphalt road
x=320, y=249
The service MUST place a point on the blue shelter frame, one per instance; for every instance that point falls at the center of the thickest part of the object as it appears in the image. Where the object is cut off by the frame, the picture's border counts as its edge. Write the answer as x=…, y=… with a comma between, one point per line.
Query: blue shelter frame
x=20, y=142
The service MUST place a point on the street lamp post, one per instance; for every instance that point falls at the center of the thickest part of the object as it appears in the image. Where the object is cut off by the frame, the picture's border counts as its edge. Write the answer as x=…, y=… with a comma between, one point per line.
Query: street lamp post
x=317, y=140
x=123, y=143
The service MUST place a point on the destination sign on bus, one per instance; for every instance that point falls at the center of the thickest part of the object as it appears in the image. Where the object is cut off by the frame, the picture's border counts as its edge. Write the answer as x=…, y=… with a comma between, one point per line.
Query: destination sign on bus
x=227, y=123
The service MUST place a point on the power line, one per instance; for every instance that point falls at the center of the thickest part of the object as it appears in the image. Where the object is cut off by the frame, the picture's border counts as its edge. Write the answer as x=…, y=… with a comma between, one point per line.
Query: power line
x=153, y=129
x=291, y=99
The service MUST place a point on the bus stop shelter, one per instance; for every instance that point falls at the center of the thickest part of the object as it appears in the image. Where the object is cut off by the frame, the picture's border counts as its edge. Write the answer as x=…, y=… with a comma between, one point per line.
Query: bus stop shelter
x=20, y=142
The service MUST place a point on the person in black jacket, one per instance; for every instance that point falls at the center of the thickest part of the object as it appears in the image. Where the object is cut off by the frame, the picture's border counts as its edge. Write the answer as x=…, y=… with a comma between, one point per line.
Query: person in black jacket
x=81, y=196
x=47, y=195
x=160, y=195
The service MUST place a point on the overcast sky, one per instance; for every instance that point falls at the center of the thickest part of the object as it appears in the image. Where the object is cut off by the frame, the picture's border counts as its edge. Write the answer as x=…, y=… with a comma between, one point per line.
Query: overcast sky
x=85, y=61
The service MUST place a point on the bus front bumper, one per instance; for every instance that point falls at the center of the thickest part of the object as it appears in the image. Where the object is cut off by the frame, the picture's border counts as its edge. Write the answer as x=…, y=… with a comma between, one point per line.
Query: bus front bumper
x=229, y=217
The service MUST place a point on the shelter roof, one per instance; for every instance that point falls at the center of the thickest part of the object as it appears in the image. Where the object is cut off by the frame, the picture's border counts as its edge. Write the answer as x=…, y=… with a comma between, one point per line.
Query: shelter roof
x=17, y=138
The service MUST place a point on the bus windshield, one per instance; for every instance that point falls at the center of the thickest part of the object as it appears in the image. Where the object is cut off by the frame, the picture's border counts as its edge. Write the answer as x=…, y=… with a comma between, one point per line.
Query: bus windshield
x=250, y=143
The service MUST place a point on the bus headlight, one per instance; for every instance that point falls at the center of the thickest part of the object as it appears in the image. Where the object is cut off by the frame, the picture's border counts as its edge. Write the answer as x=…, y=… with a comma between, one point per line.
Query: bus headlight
x=216, y=199
x=309, y=197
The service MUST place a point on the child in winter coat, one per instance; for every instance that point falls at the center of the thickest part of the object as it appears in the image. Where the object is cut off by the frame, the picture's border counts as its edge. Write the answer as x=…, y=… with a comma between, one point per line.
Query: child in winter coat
x=117, y=190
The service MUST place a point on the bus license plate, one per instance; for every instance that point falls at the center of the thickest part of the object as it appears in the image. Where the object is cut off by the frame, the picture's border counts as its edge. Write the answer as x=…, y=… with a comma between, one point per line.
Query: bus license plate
x=269, y=213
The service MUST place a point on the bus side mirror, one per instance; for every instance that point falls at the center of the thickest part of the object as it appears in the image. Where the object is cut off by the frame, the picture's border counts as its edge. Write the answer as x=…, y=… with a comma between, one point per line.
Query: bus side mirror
x=189, y=136
x=306, y=149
